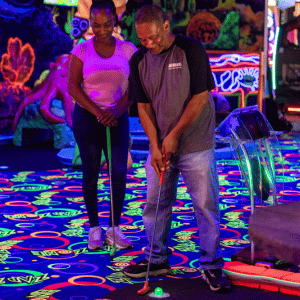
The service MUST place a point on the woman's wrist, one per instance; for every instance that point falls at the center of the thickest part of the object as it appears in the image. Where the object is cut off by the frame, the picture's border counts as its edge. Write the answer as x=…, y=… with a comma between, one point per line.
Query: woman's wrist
x=98, y=112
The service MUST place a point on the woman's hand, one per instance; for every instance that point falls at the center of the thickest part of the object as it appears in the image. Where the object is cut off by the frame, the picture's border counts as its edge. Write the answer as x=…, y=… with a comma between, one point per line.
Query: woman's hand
x=107, y=118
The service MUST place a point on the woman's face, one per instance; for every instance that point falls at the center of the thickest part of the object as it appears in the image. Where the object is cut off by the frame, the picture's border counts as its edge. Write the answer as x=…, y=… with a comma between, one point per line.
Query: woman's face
x=102, y=23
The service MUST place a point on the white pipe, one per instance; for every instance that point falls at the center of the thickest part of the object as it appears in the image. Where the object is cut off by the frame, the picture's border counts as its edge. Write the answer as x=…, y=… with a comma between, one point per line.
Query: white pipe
x=266, y=49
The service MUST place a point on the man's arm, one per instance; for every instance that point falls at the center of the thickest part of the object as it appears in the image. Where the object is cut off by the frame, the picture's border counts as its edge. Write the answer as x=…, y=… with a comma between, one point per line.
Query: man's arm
x=201, y=82
x=190, y=114
x=148, y=121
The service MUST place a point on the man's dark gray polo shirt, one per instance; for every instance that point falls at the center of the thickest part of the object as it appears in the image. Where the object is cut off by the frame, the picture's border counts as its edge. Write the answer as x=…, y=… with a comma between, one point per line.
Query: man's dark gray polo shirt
x=168, y=81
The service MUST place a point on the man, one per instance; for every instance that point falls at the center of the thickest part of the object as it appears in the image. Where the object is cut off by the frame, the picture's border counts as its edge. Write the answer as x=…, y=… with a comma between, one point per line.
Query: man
x=171, y=80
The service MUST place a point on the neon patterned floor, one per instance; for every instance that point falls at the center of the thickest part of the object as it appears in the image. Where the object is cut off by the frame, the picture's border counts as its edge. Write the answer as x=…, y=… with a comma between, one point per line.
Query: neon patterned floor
x=44, y=229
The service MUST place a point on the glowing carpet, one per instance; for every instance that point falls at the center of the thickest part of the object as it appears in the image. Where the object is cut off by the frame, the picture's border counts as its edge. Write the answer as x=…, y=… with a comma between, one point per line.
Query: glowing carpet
x=44, y=229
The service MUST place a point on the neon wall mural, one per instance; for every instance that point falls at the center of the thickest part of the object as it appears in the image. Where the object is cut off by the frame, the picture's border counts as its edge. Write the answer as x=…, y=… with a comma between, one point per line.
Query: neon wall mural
x=272, y=30
x=16, y=10
x=236, y=74
x=16, y=67
x=17, y=64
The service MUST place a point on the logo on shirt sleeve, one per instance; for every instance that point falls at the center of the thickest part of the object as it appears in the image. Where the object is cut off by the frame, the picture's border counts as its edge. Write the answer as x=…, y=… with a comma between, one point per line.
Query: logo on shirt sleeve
x=175, y=66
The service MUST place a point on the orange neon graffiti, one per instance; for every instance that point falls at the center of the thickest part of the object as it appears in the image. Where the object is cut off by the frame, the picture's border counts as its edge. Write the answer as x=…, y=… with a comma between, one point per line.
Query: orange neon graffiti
x=18, y=63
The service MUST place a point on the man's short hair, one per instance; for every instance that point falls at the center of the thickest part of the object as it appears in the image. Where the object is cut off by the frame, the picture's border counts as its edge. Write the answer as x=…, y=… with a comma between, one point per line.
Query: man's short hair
x=149, y=14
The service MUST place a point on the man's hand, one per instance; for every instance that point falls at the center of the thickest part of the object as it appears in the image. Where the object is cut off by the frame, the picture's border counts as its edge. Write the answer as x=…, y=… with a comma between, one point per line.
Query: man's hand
x=169, y=146
x=157, y=161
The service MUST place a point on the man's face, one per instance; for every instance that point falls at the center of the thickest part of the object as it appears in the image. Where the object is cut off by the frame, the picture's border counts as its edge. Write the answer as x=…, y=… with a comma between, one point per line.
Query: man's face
x=153, y=35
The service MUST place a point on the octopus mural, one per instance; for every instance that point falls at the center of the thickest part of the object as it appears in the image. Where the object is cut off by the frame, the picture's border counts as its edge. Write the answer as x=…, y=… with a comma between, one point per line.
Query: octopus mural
x=54, y=86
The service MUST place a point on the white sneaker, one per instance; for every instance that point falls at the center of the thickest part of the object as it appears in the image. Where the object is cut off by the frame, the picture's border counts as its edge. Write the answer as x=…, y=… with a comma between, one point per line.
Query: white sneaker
x=121, y=241
x=95, y=239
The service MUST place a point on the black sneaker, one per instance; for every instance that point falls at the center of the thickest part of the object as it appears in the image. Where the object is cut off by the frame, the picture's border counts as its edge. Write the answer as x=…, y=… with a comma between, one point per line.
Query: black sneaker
x=216, y=279
x=140, y=269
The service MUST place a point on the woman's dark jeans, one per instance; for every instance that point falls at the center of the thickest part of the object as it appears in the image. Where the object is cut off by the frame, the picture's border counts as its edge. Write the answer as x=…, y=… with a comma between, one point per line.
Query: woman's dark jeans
x=90, y=137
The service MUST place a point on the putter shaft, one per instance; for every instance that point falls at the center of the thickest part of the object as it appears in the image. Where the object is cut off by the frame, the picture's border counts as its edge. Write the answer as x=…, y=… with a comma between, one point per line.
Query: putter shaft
x=161, y=179
x=108, y=141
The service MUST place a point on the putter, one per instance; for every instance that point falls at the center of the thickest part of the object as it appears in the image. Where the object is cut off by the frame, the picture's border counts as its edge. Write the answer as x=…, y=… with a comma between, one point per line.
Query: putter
x=146, y=287
x=108, y=141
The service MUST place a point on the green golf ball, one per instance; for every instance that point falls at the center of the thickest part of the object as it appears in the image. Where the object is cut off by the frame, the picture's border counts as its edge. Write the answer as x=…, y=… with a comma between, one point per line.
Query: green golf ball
x=158, y=291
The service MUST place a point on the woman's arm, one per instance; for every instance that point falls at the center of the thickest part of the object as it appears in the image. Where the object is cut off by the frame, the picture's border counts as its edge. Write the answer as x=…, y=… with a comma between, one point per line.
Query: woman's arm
x=75, y=79
x=124, y=103
x=122, y=106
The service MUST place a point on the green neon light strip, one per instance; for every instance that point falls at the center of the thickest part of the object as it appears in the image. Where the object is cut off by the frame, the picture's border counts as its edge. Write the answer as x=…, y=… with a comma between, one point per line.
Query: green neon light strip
x=62, y=2
x=249, y=170
x=274, y=59
x=271, y=175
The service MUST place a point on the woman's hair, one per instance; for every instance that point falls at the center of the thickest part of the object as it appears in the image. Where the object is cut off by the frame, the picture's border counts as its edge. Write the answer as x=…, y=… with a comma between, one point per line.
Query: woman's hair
x=150, y=13
x=104, y=4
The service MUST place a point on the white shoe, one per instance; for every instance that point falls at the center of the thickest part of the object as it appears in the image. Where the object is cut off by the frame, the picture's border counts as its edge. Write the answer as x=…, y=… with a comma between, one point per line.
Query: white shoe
x=95, y=239
x=121, y=241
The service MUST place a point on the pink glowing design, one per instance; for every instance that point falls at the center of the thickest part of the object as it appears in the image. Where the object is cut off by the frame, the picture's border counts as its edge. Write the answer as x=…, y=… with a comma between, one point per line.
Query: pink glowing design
x=54, y=86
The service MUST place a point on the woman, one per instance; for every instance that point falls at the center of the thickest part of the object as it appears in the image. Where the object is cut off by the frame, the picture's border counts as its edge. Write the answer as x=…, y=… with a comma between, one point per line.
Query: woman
x=98, y=81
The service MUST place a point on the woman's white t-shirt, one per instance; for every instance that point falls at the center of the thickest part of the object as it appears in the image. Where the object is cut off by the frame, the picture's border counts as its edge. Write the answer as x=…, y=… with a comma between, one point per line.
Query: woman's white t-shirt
x=105, y=80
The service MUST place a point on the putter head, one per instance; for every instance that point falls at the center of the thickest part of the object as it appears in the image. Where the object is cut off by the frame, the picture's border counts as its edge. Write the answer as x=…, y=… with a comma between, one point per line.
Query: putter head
x=145, y=289
x=113, y=250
